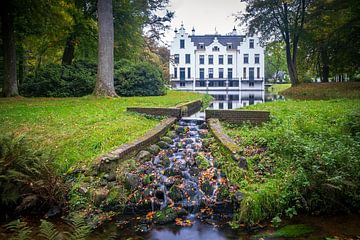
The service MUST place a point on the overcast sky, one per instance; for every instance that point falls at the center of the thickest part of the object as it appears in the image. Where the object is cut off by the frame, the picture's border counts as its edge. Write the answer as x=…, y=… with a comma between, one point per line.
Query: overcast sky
x=204, y=16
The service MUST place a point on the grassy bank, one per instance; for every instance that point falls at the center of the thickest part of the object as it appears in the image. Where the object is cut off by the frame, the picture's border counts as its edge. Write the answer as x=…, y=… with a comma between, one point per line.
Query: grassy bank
x=323, y=91
x=77, y=129
x=305, y=159
x=277, y=88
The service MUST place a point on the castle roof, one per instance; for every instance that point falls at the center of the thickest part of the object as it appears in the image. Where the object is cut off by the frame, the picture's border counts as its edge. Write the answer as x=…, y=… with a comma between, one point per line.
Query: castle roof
x=235, y=40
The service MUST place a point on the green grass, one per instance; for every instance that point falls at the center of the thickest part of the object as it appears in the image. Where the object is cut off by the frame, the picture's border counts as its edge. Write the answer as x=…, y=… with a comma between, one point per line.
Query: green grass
x=323, y=91
x=80, y=129
x=276, y=88
x=305, y=159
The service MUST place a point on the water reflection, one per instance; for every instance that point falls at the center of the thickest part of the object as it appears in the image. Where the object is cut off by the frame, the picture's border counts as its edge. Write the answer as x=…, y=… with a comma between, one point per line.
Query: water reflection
x=238, y=98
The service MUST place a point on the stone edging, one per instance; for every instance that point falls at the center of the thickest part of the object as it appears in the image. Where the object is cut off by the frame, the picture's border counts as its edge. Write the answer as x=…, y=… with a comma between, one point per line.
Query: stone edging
x=229, y=144
x=239, y=116
x=107, y=161
x=182, y=110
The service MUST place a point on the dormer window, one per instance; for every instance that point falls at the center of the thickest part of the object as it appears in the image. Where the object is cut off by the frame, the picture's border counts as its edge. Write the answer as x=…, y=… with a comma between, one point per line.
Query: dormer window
x=229, y=46
x=251, y=43
x=182, y=43
x=201, y=45
x=216, y=49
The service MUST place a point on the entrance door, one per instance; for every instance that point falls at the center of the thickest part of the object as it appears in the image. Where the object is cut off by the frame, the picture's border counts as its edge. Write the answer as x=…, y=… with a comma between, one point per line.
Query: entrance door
x=182, y=73
x=251, y=74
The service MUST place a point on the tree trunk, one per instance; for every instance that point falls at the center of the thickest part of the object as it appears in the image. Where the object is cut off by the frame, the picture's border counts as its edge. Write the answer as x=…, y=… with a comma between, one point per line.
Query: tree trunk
x=291, y=65
x=105, y=73
x=325, y=64
x=10, y=85
x=69, y=50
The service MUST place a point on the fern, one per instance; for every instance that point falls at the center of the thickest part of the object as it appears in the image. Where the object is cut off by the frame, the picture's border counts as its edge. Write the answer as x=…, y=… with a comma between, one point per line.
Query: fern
x=20, y=229
x=81, y=229
x=48, y=231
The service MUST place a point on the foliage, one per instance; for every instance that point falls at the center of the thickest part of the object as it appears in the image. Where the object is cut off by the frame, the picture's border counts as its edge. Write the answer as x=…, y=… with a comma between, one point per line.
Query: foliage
x=55, y=80
x=27, y=178
x=314, y=164
x=80, y=129
x=323, y=91
x=277, y=88
x=139, y=79
x=275, y=62
x=79, y=230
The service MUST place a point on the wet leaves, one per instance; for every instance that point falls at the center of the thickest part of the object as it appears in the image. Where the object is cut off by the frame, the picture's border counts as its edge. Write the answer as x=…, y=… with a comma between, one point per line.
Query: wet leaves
x=183, y=223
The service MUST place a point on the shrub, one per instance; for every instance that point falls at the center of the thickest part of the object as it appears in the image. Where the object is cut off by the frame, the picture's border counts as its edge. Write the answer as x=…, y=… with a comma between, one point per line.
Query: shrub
x=27, y=178
x=138, y=79
x=55, y=80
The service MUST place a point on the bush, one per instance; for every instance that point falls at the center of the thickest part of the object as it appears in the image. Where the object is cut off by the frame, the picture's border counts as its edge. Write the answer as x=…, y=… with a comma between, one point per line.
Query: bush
x=28, y=180
x=138, y=79
x=55, y=80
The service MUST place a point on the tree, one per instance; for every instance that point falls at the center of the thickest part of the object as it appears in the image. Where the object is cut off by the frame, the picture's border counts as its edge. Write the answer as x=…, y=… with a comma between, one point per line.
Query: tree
x=10, y=85
x=275, y=60
x=105, y=76
x=273, y=18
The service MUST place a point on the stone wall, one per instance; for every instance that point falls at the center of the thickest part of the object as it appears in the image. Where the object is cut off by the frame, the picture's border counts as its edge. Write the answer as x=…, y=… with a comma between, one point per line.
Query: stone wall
x=238, y=116
x=228, y=143
x=183, y=110
x=168, y=112
x=190, y=108
x=108, y=161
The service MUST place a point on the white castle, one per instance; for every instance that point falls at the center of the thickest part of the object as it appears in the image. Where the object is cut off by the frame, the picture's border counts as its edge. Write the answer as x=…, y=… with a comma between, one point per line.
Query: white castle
x=228, y=67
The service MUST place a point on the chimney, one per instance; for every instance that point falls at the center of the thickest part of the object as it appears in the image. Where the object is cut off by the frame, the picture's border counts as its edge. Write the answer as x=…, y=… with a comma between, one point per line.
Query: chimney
x=234, y=31
x=193, y=31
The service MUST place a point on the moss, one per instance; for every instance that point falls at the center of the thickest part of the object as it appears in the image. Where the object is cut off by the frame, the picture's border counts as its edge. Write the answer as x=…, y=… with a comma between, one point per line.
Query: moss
x=291, y=231
x=202, y=162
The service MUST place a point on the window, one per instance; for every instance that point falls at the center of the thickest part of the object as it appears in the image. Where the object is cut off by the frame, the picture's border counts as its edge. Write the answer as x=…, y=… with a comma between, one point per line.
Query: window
x=244, y=72
x=229, y=46
x=229, y=74
x=182, y=43
x=187, y=58
x=188, y=72
x=182, y=84
x=211, y=59
x=257, y=58
x=201, y=46
x=175, y=72
x=230, y=58
x=202, y=75
x=201, y=59
x=176, y=58
x=233, y=97
x=221, y=105
x=221, y=73
x=230, y=105
x=246, y=58
x=211, y=73
x=251, y=84
x=258, y=73
x=251, y=43
x=182, y=73
x=251, y=74
x=221, y=59
x=216, y=49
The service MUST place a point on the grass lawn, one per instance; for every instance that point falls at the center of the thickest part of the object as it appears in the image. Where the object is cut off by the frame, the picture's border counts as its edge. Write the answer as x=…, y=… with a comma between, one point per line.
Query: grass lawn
x=317, y=91
x=305, y=159
x=276, y=88
x=77, y=129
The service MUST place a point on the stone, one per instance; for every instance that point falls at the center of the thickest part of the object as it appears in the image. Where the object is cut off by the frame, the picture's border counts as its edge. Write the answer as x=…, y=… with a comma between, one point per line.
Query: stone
x=132, y=180
x=179, y=129
x=239, y=196
x=176, y=194
x=83, y=189
x=203, y=126
x=242, y=163
x=163, y=145
x=110, y=177
x=154, y=149
x=171, y=134
x=188, y=141
x=202, y=162
x=203, y=132
x=166, y=139
x=143, y=156
x=172, y=172
x=207, y=188
x=100, y=195
x=165, y=161
x=53, y=212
